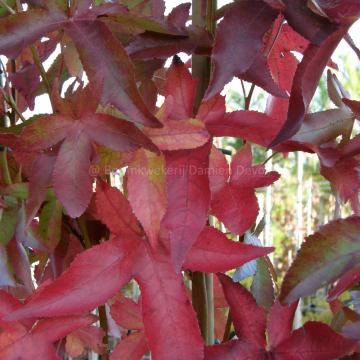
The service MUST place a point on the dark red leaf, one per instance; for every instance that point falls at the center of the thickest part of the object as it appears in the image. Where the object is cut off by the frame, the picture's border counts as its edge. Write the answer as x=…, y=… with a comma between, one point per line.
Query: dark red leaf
x=310, y=25
x=106, y=62
x=244, y=24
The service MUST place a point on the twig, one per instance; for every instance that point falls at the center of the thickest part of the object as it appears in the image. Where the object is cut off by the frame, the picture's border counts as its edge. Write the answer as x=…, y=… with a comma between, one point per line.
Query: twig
x=5, y=167
x=8, y=8
x=81, y=221
x=269, y=158
x=104, y=326
x=40, y=67
x=227, y=331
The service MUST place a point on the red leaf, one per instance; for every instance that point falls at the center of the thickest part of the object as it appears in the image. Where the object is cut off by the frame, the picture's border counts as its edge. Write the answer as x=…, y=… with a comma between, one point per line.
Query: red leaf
x=131, y=347
x=309, y=342
x=110, y=202
x=188, y=199
x=310, y=25
x=354, y=106
x=46, y=131
x=179, y=134
x=235, y=203
x=90, y=337
x=220, y=171
x=344, y=11
x=73, y=292
x=179, y=15
x=71, y=177
x=345, y=282
x=260, y=75
x=127, y=314
x=243, y=124
x=234, y=350
x=180, y=85
x=146, y=183
x=25, y=28
x=249, y=319
x=343, y=176
x=244, y=24
x=106, y=61
x=214, y=252
x=314, y=340
x=8, y=303
x=39, y=180
x=37, y=343
x=305, y=82
x=170, y=323
x=280, y=322
x=115, y=133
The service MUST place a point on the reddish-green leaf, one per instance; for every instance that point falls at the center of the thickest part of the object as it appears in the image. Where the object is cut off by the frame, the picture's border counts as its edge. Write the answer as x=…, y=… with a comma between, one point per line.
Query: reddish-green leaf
x=323, y=258
x=179, y=135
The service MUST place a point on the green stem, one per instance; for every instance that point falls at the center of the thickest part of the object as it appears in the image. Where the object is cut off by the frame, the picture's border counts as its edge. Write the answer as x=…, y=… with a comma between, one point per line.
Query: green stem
x=199, y=301
x=227, y=331
x=8, y=8
x=81, y=221
x=40, y=67
x=202, y=16
x=210, y=336
x=4, y=167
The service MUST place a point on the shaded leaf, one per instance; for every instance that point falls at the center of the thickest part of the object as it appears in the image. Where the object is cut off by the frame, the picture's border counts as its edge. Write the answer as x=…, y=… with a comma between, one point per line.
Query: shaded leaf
x=244, y=24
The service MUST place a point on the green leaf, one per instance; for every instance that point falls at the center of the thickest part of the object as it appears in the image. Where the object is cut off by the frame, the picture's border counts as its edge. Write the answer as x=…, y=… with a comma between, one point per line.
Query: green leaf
x=262, y=286
x=8, y=220
x=323, y=258
x=50, y=220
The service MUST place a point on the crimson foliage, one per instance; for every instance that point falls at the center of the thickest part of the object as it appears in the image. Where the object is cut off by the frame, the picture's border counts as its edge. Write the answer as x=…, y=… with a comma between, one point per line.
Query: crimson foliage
x=69, y=242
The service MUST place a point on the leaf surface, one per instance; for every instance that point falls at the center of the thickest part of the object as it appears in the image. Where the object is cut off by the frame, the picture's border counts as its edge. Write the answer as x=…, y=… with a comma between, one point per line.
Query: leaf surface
x=238, y=40
x=188, y=199
x=214, y=252
x=146, y=183
x=324, y=257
